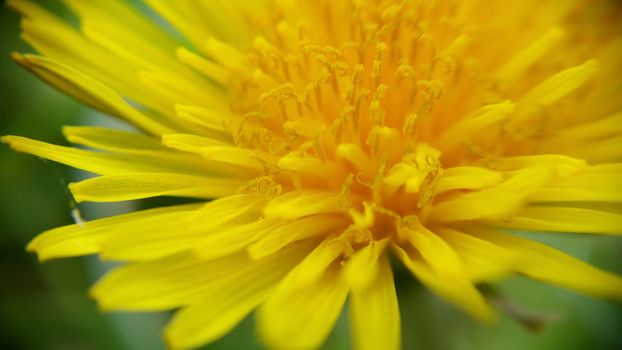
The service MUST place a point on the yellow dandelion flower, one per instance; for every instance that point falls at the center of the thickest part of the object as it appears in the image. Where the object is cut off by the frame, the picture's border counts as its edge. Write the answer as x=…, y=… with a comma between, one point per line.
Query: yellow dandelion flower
x=322, y=137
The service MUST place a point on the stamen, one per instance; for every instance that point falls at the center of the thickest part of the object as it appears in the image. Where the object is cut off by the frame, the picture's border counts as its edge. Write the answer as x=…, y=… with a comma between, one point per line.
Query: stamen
x=377, y=64
x=345, y=195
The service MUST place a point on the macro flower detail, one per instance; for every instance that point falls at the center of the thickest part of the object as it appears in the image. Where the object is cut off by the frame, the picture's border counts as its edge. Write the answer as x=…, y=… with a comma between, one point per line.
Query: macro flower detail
x=322, y=138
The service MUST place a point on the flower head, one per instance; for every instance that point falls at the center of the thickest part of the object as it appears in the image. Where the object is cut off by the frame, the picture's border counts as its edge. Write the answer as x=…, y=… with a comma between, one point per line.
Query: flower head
x=321, y=137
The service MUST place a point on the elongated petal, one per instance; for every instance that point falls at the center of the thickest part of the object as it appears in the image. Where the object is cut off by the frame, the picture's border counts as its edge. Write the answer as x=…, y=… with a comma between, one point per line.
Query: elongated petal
x=374, y=312
x=439, y=284
x=605, y=150
x=479, y=120
x=309, y=166
x=128, y=23
x=295, y=231
x=210, y=118
x=185, y=278
x=467, y=178
x=363, y=267
x=220, y=217
x=110, y=163
x=300, y=317
x=182, y=90
x=228, y=240
x=62, y=43
x=248, y=159
x=220, y=309
x=315, y=264
x=172, y=13
x=587, y=132
x=561, y=84
x=564, y=219
x=439, y=268
x=208, y=68
x=559, y=164
x=190, y=143
x=148, y=242
x=530, y=54
x=112, y=140
x=544, y=263
x=601, y=183
x=234, y=208
x=88, y=91
x=297, y=204
x=482, y=260
x=149, y=148
x=114, y=188
x=497, y=201
x=87, y=238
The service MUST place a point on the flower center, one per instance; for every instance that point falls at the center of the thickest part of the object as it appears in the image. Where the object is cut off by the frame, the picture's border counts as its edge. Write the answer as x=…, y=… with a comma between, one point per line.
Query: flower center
x=352, y=110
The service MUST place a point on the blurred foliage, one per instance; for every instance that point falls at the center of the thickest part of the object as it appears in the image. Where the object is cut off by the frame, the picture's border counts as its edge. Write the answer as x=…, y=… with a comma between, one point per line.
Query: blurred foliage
x=45, y=306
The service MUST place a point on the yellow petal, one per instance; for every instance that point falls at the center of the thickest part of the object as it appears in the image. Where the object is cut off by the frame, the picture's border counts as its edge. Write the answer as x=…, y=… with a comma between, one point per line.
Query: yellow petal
x=123, y=30
x=467, y=178
x=440, y=268
x=315, y=264
x=561, y=84
x=456, y=288
x=226, y=55
x=564, y=219
x=183, y=90
x=590, y=131
x=414, y=170
x=552, y=266
x=184, y=232
x=249, y=159
x=402, y=173
x=190, y=142
x=374, y=312
x=88, y=237
x=311, y=166
x=229, y=20
x=354, y=154
x=363, y=267
x=301, y=317
x=88, y=91
x=213, y=119
x=297, y=230
x=228, y=240
x=168, y=282
x=477, y=121
x=296, y=204
x=240, y=166
x=184, y=279
x=601, y=183
x=208, y=68
x=113, y=188
x=157, y=240
x=561, y=165
x=221, y=211
x=60, y=42
x=187, y=22
x=482, y=260
x=530, y=55
x=110, y=163
x=604, y=150
x=219, y=309
x=501, y=200
x=112, y=139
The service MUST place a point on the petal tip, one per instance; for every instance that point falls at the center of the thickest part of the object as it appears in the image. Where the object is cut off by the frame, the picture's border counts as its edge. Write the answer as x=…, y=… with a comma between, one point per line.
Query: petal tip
x=8, y=139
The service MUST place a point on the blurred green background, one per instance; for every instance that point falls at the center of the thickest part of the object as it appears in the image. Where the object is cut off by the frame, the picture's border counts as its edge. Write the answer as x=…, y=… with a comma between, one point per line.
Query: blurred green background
x=45, y=306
